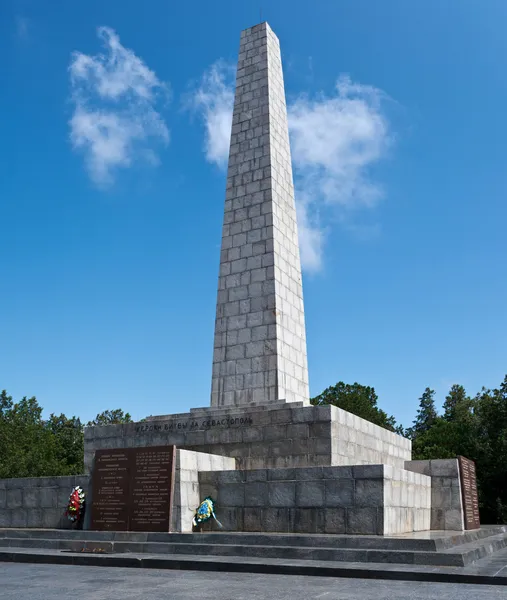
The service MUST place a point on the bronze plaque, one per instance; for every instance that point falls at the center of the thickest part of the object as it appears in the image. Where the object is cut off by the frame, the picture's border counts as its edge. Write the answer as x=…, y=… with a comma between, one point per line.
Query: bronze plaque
x=111, y=475
x=469, y=493
x=151, y=488
x=133, y=489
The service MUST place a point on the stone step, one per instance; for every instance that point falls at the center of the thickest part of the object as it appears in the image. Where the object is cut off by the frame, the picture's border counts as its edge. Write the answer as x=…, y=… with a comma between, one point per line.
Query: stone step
x=225, y=410
x=436, y=541
x=285, y=552
x=212, y=410
x=206, y=545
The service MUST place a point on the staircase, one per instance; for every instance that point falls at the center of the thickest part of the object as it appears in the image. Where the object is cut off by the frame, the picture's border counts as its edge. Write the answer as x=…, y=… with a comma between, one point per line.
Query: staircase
x=437, y=549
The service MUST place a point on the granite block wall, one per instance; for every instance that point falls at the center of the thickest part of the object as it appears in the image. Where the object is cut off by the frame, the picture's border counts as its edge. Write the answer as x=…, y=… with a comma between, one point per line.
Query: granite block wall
x=360, y=499
x=407, y=501
x=357, y=441
x=446, y=499
x=187, y=496
x=258, y=437
x=38, y=502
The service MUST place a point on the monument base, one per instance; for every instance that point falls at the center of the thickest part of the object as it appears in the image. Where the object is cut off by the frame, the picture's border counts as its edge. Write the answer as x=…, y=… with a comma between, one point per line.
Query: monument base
x=283, y=468
x=262, y=437
x=301, y=469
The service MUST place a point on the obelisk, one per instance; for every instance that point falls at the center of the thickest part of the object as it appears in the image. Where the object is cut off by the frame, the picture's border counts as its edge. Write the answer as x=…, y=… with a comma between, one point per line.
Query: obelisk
x=260, y=342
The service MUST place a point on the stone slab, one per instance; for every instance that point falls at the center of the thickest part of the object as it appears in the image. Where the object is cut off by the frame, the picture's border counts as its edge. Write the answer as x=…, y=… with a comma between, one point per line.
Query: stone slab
x=487, y=571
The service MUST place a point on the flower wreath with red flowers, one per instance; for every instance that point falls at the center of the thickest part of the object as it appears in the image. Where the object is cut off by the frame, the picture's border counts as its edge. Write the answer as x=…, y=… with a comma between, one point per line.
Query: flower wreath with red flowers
x=75, y=506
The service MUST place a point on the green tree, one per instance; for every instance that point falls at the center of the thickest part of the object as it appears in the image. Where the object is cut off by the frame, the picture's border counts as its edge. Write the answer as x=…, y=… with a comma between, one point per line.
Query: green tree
x=359, y=400
x=6, y=434
x=30, y=450
x=491, y=455
x=69, y=450
x=110, y=417
x=455, y=399
x=426, y=414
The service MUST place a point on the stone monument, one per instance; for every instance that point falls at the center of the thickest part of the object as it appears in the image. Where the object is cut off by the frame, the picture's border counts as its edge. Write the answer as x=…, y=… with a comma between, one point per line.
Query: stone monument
x=283, y=448
x=272, y=462
x=260, y=343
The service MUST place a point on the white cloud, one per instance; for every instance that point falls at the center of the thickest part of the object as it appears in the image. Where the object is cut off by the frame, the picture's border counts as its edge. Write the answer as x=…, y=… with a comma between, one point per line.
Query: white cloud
x=335, y=139
x=311, y=236
x=214, y=100
x=114, y=121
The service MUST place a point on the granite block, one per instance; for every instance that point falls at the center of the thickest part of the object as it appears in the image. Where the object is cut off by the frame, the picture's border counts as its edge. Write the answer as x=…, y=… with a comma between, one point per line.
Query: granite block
x=311, y=493
x=5, y=518
x=31, y=498
x=335, y=520
x=308, y=520
x=340, y=492
x=19, y=517
x=252, y=519
x=275, y=519
x=14, y=498
x=282, y=494
x=230, y=477
x=444, y=468
x=282, y=474
x=256, y=475
x=369, y=492
x=256, y=494
x=368, y=471
x=453, y=519
x=363, y=521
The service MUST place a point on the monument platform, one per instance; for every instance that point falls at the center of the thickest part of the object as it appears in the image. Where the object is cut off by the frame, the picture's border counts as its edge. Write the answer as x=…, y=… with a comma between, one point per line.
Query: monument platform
x=262, y=437
x=475, y=557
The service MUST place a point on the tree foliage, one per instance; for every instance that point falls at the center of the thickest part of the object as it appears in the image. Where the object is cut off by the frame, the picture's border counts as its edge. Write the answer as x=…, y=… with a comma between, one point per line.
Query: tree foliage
x=357, y=399
x=110, y=417
x=31, y=446
x=426, y=414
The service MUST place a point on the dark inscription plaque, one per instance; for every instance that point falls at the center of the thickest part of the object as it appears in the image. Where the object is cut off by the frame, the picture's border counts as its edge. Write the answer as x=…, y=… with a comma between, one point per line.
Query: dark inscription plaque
x=469, y=493
x=151, y=489
x=110, y=506
x=133, y=489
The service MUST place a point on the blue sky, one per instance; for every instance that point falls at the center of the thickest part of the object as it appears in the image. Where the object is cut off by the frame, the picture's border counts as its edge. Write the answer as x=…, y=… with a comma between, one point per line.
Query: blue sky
x=110, y=244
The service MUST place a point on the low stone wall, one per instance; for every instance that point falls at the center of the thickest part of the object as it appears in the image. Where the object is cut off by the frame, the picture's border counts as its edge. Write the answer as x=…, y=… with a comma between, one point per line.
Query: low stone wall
x=187, y=496
x=407, y=501
x=38, y=502
x=343, y=500
x=446, y=499
x=262, y=437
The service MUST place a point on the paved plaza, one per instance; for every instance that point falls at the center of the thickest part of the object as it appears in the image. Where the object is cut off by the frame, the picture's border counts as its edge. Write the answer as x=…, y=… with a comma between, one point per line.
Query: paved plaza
x=49, y=582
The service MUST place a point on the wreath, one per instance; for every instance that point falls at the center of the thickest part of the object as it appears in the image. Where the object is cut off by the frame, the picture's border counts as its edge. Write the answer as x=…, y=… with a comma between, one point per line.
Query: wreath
x=75, y=506
x=204, y=512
